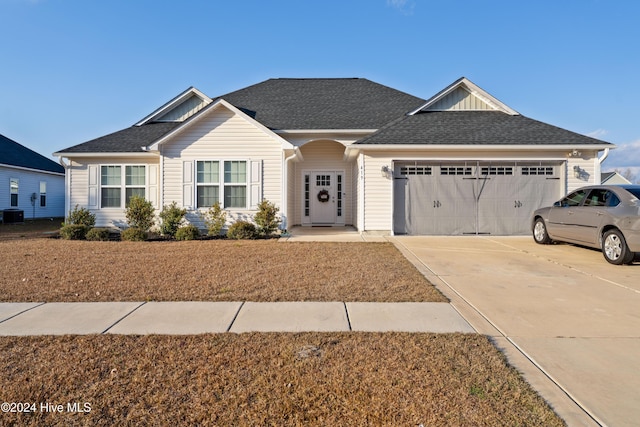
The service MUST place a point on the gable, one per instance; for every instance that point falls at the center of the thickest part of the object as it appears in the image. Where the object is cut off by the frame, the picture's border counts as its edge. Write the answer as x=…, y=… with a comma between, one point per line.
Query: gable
x=464, y=95
x=460, y=99
x=183, y=111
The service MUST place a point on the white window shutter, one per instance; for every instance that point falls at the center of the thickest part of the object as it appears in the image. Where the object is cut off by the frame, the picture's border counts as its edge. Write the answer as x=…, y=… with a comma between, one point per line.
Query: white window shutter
x=187, y=185
x=153, y=185
x=92, y=203
x=255, y=184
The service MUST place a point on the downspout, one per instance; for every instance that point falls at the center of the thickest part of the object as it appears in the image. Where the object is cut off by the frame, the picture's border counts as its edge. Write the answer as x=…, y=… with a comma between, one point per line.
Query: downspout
x=67, y=187
x=599, y=165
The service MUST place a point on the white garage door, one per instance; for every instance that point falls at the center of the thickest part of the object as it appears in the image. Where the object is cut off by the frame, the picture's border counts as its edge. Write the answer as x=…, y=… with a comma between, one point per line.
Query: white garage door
x=471, y=197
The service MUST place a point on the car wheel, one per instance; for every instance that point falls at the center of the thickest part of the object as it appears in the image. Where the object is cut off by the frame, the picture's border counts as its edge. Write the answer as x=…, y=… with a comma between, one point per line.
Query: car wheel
x=540, y=234
x=615, y=249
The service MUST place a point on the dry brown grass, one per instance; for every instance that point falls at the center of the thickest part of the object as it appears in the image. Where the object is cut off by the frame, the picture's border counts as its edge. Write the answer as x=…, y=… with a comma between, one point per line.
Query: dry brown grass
x=210, y=270
x=268, y=379
x=29, y=229
x=246, y=379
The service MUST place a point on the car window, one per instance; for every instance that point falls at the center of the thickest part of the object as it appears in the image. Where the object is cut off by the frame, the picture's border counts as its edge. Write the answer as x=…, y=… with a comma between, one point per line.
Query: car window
x=611, y=199
x=601, y=197
x=634, y=191
x=573, y=199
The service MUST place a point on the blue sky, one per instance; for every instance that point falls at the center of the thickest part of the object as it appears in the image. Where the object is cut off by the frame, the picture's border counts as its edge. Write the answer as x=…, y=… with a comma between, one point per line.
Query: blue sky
x=74, y=70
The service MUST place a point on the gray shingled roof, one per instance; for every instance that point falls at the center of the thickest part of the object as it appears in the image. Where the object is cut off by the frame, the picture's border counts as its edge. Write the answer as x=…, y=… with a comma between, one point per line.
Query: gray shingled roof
x=474, y=128
x=14, y=154
x=129, y=140
x=322, y=103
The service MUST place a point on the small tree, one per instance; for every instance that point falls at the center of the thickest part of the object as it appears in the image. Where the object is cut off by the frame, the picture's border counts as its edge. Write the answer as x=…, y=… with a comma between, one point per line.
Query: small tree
x=215, y=219
x=267, y=218
x=171, y=218
x=140, y=213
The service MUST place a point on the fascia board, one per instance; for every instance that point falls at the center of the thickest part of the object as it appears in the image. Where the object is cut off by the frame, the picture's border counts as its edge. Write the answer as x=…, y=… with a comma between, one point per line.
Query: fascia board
x=206, y=111
x=323, y=131
x=468, y=147
x=22, y=168
x=173, y=102
x=107, y=155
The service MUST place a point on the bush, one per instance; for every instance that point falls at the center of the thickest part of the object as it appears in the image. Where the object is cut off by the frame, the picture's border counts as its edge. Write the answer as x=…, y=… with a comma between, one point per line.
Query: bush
x=215, y=219
x=267, y=218
x=98, y=234
x=74, y=231
x=188, y=232
x=171, y=217
x=140, y=213
x=242, y=230
x=80, y=216
x=134, y=234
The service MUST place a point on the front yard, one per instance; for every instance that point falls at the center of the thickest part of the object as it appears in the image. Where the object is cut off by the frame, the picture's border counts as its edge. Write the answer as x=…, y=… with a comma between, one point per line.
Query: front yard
x=246, y=379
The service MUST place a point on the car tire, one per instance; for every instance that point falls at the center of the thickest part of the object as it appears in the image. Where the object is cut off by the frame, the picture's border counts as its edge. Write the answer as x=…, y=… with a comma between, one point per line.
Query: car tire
x=615, y=249
x=540, y=234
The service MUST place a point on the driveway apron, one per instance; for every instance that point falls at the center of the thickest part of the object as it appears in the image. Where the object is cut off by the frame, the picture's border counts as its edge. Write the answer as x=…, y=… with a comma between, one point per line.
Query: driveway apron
x=565, y=318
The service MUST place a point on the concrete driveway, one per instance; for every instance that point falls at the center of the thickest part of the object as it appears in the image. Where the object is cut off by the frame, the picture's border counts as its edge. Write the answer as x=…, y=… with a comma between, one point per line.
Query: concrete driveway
x=565, y=318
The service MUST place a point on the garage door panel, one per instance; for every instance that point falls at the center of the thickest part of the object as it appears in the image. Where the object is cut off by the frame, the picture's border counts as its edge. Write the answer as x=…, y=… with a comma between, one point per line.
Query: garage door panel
x=473, y=198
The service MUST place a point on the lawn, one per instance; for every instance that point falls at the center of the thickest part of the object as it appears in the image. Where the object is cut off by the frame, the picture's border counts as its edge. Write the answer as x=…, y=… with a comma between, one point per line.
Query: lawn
x=245, y=379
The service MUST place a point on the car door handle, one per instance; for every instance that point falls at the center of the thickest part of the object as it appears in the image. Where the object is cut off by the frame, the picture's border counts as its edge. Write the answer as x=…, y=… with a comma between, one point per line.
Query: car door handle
x=600, y=213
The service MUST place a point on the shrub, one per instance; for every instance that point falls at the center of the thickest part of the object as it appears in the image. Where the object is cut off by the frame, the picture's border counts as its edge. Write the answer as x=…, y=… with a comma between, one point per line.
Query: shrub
x=80, y=216
x=171, y=217
x=74, y=231
x=242, y=230
x=267, y=218
x=188, y=232
x=215, y=219
x=134, y=234
x=140, y=213
x=98, y=234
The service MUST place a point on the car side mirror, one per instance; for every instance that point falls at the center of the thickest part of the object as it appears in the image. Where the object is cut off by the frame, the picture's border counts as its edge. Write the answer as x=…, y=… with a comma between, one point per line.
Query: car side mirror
x=557, y=205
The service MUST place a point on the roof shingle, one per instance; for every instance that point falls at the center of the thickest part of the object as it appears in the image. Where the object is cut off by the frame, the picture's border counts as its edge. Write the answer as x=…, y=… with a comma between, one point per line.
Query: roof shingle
x=14, y=154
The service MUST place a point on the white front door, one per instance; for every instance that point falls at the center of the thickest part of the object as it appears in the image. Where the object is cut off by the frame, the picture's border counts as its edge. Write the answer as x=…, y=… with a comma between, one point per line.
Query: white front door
x=322, y=198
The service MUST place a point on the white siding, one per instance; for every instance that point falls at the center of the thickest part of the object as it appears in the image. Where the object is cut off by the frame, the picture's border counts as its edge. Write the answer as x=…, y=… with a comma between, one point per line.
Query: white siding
x=29, y=183
x=588, y=174
x=81, y=186
x=319, y=156
x=185, y=110
x=222, y=135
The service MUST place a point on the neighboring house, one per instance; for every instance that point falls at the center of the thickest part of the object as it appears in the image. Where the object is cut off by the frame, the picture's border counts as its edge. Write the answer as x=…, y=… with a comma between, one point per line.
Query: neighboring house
x=331, y=152
x=613, y=178
x=30, y=182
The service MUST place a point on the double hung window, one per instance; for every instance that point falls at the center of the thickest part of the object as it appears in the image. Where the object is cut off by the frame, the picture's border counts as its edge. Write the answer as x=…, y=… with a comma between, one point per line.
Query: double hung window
x=226, y=185
x=116, y=181
x=13, y=188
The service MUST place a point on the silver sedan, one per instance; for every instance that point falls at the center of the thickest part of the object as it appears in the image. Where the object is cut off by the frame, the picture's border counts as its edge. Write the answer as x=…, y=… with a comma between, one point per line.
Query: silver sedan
x=606, y=217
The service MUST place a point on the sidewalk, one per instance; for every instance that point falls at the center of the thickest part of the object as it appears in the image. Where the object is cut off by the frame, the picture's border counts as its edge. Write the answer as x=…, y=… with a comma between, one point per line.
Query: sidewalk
x=138, y=318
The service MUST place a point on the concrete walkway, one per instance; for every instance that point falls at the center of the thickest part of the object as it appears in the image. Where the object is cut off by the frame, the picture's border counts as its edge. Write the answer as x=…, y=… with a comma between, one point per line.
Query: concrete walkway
x=183, y=318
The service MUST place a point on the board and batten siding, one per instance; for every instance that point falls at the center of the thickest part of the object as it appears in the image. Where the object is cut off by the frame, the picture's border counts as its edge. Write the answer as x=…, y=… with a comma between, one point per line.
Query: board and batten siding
x=323, y=155
x=222, y=135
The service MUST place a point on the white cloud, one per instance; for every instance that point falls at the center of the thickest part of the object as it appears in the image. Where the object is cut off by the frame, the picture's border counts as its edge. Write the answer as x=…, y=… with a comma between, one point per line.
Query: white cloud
x=404, y=6
x=598, y=133
x=625, y=156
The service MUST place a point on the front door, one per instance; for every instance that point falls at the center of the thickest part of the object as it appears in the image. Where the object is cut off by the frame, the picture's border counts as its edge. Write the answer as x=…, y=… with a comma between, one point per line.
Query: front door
x=322, y=198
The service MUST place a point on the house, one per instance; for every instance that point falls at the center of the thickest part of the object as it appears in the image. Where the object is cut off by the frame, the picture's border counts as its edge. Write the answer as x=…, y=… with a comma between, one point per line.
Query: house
x=29, y=182
x=613, y=178
x=333, y=152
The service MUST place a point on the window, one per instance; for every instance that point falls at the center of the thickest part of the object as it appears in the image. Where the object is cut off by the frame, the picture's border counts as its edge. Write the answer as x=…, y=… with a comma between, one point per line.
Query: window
x=496, y=170
x=113, y=184
x=601, y=197
x=415, y=170
x=208, y=183
x=306, y=195
x=43, y=193
x=455, y=170
x=573, y=199
x=13, y=185
x=226, y=185
x=235, y=184
x=537, y=170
